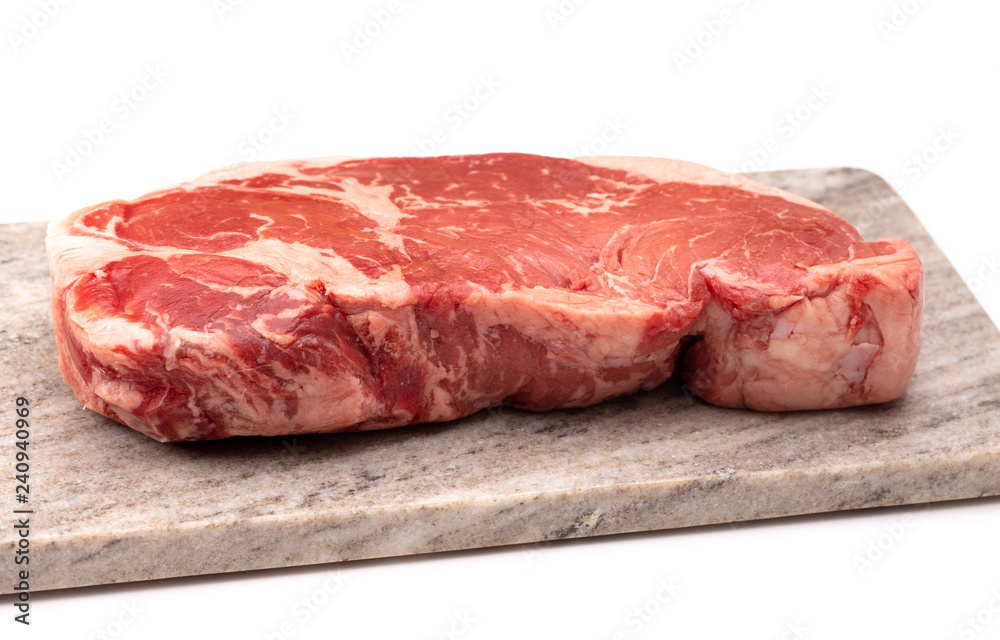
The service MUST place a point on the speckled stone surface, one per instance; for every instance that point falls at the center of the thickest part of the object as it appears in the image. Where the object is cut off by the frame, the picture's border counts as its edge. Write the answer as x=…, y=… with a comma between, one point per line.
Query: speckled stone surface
x=113, y=506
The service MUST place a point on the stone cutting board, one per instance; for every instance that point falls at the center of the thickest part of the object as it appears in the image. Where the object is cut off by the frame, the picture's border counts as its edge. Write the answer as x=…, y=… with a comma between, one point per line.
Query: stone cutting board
x=111, y=505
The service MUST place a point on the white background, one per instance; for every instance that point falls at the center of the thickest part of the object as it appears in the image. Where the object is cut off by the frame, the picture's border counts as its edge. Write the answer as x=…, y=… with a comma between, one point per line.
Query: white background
x=216, y=74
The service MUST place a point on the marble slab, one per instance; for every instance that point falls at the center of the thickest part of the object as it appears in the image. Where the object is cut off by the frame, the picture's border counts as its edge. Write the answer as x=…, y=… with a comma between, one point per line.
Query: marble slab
x=111, y=505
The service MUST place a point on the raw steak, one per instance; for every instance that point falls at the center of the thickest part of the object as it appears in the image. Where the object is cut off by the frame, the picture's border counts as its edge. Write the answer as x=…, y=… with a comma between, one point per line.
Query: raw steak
x=348, y=294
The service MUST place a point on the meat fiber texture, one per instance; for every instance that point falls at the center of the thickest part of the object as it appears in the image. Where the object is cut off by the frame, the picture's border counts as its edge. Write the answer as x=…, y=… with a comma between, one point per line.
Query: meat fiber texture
x=343, y=294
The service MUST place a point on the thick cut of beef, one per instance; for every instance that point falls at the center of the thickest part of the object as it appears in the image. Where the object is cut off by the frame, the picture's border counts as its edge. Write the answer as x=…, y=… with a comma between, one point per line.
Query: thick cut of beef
x=347, y=294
